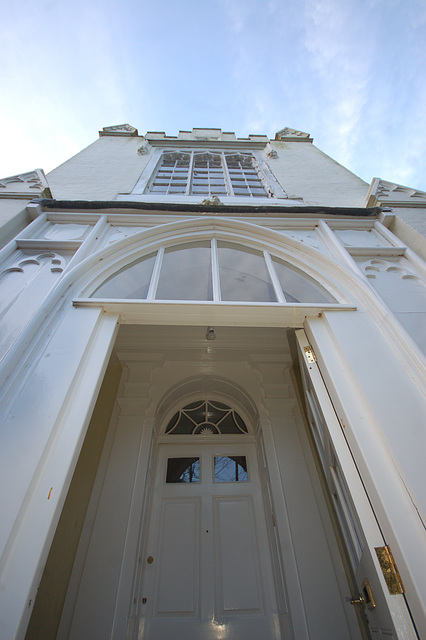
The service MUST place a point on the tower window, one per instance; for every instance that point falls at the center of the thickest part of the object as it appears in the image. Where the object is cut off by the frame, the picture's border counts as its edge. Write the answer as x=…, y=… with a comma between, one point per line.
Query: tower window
x=209, y=173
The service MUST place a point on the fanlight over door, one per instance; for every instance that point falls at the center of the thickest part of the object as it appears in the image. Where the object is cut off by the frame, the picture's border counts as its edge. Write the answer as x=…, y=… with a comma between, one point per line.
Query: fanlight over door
x=206, y=417
x=213, y=270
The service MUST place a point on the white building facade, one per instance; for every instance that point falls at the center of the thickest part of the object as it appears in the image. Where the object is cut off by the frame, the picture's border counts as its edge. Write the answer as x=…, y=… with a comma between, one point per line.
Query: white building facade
x=213, y=401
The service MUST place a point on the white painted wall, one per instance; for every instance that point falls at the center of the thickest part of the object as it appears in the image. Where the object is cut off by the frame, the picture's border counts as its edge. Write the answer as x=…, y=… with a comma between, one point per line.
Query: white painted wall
x=108, y=166
x=305, y=171
x=111, y=165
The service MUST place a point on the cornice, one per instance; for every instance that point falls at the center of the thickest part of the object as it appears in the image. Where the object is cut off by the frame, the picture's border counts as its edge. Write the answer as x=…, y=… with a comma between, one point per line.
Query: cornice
x=203, y=209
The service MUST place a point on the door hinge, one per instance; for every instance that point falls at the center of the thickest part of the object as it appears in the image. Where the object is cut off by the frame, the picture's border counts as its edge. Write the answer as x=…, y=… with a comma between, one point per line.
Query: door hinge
x=310, y=354
x=390, y=570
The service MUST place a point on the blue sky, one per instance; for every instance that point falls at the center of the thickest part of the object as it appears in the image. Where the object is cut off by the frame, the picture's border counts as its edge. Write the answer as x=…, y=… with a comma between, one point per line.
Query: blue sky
x=352, y=73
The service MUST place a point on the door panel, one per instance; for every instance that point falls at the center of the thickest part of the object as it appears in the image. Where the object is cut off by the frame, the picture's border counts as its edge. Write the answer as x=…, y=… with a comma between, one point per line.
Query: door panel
x=179, y=568
x=358, y=525
x=237, y=560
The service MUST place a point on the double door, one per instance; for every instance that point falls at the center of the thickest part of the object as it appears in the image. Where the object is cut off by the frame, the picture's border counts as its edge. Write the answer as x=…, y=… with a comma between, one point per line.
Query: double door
x=207, y=570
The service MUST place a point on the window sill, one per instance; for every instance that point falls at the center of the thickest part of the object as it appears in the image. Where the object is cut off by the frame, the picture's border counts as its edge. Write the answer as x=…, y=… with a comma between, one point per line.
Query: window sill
x=201, y=200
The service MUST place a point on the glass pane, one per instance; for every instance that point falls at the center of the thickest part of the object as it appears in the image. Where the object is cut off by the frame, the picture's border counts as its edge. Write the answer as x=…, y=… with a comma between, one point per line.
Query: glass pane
x=130, y=282
x=206, y=417
x=186, y=273
x=230, y=469
x=243, y=274
x=298, y=287
x=183, y=470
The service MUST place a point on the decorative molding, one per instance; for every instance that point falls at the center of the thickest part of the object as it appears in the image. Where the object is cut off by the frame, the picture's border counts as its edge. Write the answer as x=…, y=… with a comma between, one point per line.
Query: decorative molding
x=57, y=265
x=270, y=152
x=119, y=130
x=213, y=200
x=144, y=149
x=25, y=185
x=375, y=266
x=395, y=195
x=293, y=135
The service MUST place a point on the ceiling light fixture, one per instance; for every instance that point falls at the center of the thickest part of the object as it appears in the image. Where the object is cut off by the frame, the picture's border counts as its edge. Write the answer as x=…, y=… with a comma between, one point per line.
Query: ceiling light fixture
x=210, y=335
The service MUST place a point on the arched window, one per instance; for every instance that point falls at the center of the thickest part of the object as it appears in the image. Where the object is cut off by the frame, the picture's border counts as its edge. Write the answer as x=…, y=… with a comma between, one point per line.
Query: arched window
x=206, y=417
x=213, y=270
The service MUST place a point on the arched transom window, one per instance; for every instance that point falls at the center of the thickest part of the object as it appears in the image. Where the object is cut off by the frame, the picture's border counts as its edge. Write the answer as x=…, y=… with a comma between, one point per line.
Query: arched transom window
x=213, y=270
x=206, y=417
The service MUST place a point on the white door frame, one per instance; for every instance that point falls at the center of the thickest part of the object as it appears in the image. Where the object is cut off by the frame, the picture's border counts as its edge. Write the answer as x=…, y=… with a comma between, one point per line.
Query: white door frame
x=93, y=355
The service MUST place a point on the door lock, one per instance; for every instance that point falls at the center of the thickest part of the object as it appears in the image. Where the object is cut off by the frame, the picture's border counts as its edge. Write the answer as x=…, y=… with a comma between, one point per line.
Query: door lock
x=150, y=559
x=360, y=600
x=366, y=599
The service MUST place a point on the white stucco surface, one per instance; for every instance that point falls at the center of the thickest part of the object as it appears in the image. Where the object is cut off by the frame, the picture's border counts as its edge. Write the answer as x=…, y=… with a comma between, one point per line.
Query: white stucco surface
x=303, y=170
x=109, y=166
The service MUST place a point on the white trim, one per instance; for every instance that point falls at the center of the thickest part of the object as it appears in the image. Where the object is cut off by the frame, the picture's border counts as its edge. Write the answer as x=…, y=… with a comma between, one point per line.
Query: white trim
x=207, y=313
x=385, y=482
x=155, y=275
x=274, y=278
x=148, y=173
x=352, y=462
x=215, y=271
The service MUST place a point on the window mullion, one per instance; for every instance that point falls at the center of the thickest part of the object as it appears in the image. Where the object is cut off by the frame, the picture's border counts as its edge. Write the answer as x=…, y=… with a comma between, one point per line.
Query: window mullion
x=155, y=275
x=172, y=172
x=226, y=175
x=190, y=175
x=215, y=272
x=274, y=278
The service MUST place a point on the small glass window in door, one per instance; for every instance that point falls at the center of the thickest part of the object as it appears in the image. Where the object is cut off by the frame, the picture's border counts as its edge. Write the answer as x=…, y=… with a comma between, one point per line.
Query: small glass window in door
x=230, y=469
x=183, y=470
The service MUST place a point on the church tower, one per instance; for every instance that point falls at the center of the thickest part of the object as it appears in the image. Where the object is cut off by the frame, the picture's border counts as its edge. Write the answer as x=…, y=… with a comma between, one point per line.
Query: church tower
x=212, y=410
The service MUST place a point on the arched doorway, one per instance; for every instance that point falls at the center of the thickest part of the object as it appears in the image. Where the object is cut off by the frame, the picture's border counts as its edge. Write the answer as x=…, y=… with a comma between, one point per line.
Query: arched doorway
x=290, y=550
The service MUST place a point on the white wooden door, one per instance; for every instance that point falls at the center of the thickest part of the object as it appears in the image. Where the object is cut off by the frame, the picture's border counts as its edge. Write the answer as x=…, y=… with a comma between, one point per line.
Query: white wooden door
x=386, y=614
x=206, y=569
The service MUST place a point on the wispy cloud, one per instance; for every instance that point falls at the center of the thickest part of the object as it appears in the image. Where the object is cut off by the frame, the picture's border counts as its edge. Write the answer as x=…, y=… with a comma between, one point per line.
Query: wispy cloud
x=351, y=72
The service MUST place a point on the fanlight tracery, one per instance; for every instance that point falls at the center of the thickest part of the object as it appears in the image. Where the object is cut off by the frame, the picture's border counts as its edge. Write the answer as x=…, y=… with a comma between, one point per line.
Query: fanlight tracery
x=213, y=270
x=206, y=418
